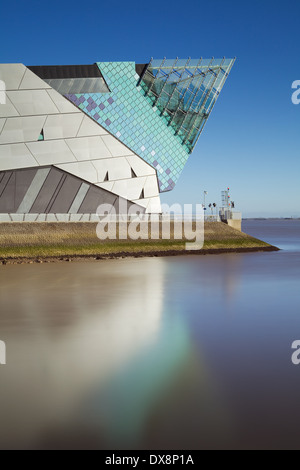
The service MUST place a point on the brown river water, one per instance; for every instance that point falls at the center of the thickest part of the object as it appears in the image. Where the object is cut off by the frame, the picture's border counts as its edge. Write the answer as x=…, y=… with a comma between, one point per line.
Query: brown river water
x=189, y=352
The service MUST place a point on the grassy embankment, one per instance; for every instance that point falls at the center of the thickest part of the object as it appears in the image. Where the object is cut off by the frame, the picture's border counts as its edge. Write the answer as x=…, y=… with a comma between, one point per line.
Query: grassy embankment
x=38, y=241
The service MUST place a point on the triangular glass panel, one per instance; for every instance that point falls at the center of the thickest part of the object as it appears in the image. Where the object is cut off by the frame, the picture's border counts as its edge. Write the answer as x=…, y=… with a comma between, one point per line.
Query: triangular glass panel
x=41, y=136
x=185, y=92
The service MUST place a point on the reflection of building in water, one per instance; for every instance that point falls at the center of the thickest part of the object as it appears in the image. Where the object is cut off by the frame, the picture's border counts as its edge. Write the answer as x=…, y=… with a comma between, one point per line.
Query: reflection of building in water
x=232, y=270
x=216, y=276
x=68, y=328
x=96, y=358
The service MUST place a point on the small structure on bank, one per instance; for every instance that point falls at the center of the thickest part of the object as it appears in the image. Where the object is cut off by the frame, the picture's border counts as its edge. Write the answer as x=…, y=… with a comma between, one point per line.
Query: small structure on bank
x=227, y=213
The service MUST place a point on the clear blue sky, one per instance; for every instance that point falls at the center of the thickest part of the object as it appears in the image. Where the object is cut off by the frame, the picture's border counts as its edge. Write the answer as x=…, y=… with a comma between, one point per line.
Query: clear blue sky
x=251, y=141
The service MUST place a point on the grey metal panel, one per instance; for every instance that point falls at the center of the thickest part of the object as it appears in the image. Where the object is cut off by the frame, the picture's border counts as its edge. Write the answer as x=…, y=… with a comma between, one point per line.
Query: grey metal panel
x=56, y=192
x=5, y=176
x=33, y=190
x=95, y=197
x=7, y=200
x=24, y=179
x=79, y=198
x=66, y=71
x=66, y=195
x=47, y=191
x=67, y=86
x=14, y=186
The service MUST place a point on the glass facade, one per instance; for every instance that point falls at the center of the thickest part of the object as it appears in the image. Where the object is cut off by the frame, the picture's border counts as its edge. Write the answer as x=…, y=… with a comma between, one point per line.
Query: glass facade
x=159, y=115
x=185, y=92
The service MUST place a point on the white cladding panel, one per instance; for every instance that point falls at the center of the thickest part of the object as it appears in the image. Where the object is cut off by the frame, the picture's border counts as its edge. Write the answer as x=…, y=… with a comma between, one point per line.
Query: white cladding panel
x=118, y=168
x=62, y=126
x=130, y=189
x=102, y=167
x=90, y=128
x=22, y=129
x=62, y=104
x=15, y=156
x=32, y=102
x=2, y=122
x=108, y=185
x=8, y=109
x=88, y=148
x=151, y=186
x=11, y=75
x=31, y=81
x=117, y=149
x=51, y=152
x=84, y=170
x=140, y=167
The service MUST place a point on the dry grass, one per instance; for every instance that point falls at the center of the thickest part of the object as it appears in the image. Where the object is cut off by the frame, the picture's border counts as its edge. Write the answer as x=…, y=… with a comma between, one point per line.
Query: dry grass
x=30, y=240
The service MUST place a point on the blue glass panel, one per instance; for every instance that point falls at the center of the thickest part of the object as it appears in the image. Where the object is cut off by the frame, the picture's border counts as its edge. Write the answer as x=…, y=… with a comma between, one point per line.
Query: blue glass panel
x=159, y=118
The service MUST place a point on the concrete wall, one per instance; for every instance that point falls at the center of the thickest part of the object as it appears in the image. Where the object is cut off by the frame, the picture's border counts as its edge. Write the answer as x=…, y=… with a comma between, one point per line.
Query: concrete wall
x=235, y=223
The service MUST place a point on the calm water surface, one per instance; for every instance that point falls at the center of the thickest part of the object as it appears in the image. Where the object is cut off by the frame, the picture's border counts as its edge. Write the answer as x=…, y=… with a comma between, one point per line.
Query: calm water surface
x=180, y=353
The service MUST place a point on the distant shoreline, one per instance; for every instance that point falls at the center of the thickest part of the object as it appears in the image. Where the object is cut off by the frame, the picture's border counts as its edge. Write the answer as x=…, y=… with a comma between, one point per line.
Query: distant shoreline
x=271, y=218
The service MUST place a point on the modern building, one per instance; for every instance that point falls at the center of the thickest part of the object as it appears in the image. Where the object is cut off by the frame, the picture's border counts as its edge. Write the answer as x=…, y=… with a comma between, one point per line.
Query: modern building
x=75, y=137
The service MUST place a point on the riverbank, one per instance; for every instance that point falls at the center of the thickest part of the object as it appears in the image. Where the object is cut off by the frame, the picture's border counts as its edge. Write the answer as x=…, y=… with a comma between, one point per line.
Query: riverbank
x=52, y=242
